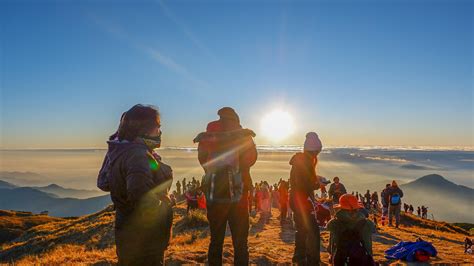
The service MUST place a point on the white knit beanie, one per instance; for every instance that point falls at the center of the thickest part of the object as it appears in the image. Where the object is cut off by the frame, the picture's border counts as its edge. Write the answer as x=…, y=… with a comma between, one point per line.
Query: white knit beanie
x=312, y=142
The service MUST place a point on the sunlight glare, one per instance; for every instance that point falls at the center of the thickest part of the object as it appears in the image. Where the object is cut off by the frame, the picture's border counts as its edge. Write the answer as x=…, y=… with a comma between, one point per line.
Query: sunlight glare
x=277, y=125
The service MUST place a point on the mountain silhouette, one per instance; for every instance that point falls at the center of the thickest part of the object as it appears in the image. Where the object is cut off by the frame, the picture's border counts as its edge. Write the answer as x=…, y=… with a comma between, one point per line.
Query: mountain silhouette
x=59, y=191
x=4, y=184
x=69, y=192
x=445, y=199
x=33, y=200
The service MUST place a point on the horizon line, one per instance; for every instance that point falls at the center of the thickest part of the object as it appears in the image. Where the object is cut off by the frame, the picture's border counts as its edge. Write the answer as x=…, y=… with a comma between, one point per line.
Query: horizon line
x=281, y=148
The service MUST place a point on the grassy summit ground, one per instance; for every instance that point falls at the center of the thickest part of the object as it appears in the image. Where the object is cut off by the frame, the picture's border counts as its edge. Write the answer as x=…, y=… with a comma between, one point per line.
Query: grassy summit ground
x=89, y=240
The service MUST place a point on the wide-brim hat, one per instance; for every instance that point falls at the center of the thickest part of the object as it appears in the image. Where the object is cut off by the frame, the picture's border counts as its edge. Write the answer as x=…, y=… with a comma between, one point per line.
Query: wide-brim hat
x=348, y=202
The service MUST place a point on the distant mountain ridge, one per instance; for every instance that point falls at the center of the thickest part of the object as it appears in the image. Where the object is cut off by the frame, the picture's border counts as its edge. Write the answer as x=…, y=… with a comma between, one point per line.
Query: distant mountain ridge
x=36, y=201
x=435, y=180
x=59, y=191
x=4, y=184
x=445, y=199
x=22, y=178
x=70, y=192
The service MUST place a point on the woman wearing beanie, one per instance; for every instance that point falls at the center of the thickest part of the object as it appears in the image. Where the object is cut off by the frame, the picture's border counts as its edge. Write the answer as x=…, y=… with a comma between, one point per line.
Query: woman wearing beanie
x=303, y=182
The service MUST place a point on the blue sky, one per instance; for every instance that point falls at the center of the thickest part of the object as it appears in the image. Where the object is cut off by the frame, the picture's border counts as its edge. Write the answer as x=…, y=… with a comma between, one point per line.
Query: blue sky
x=357, y=72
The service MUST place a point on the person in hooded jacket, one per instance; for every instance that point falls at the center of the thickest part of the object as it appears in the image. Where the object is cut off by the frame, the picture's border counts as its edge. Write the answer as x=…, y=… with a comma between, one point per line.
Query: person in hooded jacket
x=395, y=203
x=303, y=183
x=226, y=143
x=348, y=216
x=138, y=182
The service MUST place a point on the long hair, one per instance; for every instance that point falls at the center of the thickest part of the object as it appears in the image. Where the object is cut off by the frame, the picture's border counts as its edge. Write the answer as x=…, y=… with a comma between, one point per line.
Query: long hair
x=138, y=121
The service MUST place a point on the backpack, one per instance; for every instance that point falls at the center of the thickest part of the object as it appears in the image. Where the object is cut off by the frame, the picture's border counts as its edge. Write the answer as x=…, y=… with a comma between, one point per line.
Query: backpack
x=103, y=179
x=395, y=199
x=350, y=249
x=223, y=182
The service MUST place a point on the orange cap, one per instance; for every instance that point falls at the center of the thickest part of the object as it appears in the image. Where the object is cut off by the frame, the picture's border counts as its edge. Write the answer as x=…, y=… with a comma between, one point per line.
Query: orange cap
x=348, y=202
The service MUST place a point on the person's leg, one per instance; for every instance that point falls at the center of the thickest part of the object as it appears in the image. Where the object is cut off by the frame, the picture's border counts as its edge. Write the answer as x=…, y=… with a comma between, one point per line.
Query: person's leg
x=384, y=215
x=390, y=215
x=123, y=255
x=250, y=200
x=299, y=255
x=217, y=215
x=312, y=240
x=284, y=210
x=139, y=246
x=397, y=210
x=155, y=259
x=239, y=227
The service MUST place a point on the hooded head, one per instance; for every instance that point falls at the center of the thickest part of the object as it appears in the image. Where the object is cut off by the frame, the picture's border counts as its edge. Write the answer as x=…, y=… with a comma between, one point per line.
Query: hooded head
x=312, y=143
x=228, y=119
x=227, y=113
x=141, y=121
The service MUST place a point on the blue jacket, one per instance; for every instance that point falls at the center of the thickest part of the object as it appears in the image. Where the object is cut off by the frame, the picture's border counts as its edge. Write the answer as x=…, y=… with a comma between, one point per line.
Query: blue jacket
x=406, y=250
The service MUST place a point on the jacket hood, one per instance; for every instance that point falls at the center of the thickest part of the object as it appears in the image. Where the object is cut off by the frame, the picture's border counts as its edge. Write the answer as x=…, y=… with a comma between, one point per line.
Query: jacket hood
x=116, y=147
x=238, y=133
x=349, y=218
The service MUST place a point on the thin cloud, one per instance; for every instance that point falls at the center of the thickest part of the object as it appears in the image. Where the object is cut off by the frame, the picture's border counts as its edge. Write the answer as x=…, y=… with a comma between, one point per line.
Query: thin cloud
x=182, y=26
x=153, y=53
x=172, y=65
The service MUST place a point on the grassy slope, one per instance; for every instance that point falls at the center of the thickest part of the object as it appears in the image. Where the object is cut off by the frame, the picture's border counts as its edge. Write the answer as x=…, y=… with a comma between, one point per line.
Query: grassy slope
x=89, y=239
x=13, y=223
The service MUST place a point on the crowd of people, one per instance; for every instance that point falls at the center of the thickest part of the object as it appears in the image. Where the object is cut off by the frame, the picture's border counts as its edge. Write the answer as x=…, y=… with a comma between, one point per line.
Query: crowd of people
x=139, y=183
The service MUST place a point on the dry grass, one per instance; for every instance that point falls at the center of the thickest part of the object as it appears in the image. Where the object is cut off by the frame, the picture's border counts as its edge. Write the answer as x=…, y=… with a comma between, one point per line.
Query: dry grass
x=89, y=240
x=72, y=254
x=13, y=224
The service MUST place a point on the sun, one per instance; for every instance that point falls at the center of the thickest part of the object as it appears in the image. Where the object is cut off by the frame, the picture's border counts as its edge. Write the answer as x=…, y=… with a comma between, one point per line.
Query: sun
x=277, y=125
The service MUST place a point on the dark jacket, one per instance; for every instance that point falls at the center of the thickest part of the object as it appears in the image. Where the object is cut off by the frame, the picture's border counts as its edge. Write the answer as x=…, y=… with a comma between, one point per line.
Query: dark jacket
x=138, y=180
x=385, y=197
x=303, y=180
x=394, y=190
x=336, y=191
x=345, y=220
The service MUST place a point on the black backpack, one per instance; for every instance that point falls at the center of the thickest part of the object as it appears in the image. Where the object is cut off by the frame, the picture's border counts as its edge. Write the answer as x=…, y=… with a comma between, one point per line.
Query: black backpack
x=350, y=249
x=223, y=182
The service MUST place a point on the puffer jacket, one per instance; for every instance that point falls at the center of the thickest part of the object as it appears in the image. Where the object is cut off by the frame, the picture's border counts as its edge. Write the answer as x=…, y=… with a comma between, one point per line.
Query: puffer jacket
x=138, y=180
